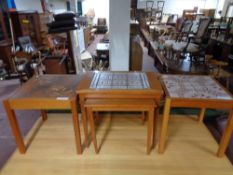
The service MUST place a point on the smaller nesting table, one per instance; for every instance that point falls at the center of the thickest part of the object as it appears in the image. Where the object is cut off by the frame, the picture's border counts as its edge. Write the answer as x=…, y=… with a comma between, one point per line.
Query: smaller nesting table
x=196, y=92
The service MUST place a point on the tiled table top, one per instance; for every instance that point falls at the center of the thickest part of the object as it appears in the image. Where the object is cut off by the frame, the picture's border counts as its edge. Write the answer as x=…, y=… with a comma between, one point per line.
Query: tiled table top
x=120, y=80
x=188, y=86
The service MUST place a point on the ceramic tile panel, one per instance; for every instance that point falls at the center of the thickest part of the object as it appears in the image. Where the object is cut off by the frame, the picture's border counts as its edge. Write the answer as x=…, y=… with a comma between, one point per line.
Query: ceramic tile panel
x=189, y=86
x=119, y=80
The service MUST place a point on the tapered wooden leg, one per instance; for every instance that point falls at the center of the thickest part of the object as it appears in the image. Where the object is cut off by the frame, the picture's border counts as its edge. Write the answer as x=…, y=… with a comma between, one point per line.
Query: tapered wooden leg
x=14, y=127
x=76, y=126
x=97, y=117
x=226, y=136
x=156, y=117
x=150, y=129
x=143, y=116
x=84, y=119
x=164, y=126
x=201, y=115
x=43, y=115
x=93, y=133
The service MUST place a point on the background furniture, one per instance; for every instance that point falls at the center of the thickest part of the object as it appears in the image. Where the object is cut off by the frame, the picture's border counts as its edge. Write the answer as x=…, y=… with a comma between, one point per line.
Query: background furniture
x=43, y=93
x=87, y=36
x=6, y=56
x=56, y=64
x=136, y=54
x=27, y=23
x=102, y=53
x=101, y=25
x=197, y=92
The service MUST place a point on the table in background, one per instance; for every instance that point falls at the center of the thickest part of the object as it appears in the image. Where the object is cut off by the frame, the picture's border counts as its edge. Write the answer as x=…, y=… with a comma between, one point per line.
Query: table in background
x=43, y=93
x=196, y=92
x=86, y=92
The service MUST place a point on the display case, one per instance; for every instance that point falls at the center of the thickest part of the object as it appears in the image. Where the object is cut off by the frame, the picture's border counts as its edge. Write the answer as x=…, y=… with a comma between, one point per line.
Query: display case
x=27, y=23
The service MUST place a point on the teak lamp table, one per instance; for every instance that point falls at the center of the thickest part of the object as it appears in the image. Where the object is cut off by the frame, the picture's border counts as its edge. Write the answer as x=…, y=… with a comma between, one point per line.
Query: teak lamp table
x=195, y=92
x=106, y=99
x=44, y=92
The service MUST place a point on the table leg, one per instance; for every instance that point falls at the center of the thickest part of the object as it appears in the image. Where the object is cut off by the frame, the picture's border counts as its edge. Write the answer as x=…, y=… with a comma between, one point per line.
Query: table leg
x=43, y=115
x=76, y=126
x=15, y=127
x=201, y=115
x=226, y=135
x=97, y=117
x=156, y=114
x=143, y=117
x=84, y=119
x=150, y=130
x=164, y=126
x=93, y=133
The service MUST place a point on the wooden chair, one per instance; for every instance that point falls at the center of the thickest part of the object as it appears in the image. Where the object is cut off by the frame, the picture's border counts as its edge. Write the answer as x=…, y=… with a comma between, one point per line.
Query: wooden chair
x=97, y=105
x=101, y=25
x=177, y=37
x=194, y=45
x=57, y=45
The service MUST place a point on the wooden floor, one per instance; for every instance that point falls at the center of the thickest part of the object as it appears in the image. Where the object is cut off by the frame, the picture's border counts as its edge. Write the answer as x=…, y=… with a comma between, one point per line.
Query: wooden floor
x=190, y=150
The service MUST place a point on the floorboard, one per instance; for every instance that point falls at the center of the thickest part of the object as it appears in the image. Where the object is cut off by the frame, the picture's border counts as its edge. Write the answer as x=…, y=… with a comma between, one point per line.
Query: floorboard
x=190, y=149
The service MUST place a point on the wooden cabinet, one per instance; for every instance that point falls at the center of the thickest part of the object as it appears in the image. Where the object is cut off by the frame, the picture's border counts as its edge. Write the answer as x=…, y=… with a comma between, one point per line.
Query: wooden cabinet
x=27, y=23
x=6, y=56
x=134, y=4
x=87, y=36
x=136, y=54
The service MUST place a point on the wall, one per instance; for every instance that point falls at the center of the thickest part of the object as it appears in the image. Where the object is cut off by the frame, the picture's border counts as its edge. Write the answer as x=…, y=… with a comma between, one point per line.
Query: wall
x=225, y=6
x=119, y=34
x=177, y=6
x=101, y=8
x=58, y=6
x=28, y=5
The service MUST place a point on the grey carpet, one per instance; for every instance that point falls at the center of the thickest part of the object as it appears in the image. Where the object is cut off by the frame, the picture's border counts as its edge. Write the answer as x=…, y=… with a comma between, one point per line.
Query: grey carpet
x=26, y=120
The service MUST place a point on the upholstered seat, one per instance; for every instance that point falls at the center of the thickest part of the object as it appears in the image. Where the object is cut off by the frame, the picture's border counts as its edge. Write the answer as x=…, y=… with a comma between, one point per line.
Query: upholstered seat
x=180, y=46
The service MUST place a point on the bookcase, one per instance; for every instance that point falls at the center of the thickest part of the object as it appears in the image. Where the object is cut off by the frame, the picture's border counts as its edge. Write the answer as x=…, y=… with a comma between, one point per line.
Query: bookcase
x=27, y=23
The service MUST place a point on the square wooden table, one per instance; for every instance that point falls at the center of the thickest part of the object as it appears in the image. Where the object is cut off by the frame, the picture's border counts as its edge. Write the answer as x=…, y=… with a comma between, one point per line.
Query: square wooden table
x=85, y=91
x=44, y=92
x=196, y=92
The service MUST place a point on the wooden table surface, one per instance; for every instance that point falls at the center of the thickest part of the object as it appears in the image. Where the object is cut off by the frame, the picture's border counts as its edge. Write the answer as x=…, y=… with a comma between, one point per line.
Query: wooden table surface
x=48, y=86
x=196, y=92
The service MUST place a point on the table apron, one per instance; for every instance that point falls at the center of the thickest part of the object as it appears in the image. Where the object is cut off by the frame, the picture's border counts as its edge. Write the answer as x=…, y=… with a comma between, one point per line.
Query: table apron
x=216, y=104
x=40, y=104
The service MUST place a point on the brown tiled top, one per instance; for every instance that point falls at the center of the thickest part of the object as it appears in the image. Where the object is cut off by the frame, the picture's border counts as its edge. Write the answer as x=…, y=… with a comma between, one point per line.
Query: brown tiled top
x=189, y=86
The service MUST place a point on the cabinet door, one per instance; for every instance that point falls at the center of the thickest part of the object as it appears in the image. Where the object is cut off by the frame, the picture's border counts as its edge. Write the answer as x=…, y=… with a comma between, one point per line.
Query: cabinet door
x=3, y=33
x=24, y=23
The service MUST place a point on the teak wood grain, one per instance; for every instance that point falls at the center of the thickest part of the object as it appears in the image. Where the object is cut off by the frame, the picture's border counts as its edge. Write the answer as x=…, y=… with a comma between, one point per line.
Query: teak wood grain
x=43, y=93
x=142, y=105
x=85, y=92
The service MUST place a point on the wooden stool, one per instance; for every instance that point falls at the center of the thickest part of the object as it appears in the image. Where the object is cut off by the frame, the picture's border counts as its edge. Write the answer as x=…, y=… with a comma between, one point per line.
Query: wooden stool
x=139, y=105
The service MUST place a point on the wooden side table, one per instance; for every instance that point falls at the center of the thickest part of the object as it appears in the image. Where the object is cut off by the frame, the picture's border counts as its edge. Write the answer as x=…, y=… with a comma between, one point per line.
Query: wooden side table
x=196, y=92
x=85, y=92
x=43, y=93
